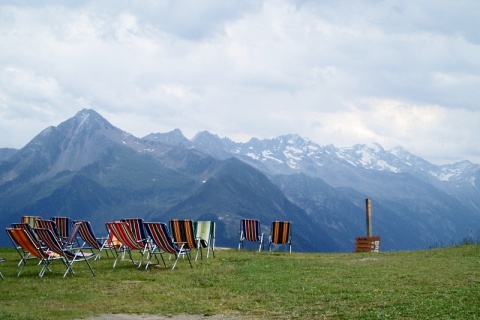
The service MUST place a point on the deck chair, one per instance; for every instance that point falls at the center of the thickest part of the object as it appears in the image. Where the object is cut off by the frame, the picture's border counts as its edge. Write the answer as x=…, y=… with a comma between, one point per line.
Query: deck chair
x=23, y=241
x=205, y=236
x=162, y=243
x=64, y=226
x=281, y=233
x=50, y=225
x=26, y=254
x=122, y=231
x=1, y=275
x=69, y=257
x=138, y=230
x=25, y=226
x=250, y=230
x=182, y=232
x=30, y=220
x=85, y=232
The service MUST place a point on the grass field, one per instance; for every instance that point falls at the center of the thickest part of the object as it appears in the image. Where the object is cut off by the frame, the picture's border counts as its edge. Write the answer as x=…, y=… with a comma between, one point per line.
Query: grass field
x=439, y=283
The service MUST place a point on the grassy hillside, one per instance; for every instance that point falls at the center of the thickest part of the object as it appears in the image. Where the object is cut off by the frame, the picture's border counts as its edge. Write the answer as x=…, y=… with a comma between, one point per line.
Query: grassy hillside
x=432, y=284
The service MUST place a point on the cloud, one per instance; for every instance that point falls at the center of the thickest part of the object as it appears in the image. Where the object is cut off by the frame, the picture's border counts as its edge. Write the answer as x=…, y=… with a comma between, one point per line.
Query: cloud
x=335, y=72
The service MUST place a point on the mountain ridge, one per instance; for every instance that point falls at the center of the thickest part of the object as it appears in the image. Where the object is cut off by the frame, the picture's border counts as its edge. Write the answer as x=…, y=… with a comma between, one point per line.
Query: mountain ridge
x=88, y=168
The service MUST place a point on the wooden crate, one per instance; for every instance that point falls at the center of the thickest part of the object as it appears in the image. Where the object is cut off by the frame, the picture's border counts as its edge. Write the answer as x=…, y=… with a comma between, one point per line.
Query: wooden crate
x=367, y=244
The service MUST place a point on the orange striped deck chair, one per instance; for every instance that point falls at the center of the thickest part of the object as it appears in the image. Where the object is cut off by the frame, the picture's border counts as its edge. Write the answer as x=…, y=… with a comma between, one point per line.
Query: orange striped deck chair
x=182, y=232
x=26, y=227
x=250, y=230
x=22, y=239
x=280, y=234
x=122, y=231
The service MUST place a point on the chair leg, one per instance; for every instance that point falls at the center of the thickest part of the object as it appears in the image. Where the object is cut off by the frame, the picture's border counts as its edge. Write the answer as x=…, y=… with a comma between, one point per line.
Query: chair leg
x=88, y=263
x=199, y=248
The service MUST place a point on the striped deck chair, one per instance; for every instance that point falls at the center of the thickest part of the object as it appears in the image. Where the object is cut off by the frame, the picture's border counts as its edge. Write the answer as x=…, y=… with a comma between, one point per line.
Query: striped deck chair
x=50, y=225
x=250, y=230
x=26, y=255
x=182, y=231
x=122, y=231
x=281, y=233
x=162, y=243
x=205, y=236
x=86, y=233
x=1, y=275
x=21, y=238
x=31, y=220
x=138, y=230
x=69, y=257
x=64, y=226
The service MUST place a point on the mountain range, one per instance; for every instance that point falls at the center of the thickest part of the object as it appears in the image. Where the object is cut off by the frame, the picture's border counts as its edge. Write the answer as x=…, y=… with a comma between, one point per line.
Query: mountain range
x=86, y=168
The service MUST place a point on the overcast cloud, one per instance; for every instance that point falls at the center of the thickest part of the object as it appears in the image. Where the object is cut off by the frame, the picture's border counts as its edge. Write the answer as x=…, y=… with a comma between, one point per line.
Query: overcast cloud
x=399, y=73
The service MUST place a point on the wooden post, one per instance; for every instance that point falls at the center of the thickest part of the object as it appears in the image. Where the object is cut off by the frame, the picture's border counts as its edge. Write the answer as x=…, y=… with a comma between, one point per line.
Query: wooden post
x=368, y=243
x=368, y=202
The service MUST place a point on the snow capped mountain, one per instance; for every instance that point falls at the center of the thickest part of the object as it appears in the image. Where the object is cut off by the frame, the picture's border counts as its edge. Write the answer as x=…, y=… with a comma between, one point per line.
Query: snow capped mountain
x=294, y=154
x=87, y=165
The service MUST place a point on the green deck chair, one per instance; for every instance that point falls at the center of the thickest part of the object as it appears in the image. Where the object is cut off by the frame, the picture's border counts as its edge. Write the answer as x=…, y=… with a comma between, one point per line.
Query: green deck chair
x=205, y=236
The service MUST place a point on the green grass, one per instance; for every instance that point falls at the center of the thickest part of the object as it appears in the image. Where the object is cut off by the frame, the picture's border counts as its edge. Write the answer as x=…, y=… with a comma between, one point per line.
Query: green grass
x=439, y=283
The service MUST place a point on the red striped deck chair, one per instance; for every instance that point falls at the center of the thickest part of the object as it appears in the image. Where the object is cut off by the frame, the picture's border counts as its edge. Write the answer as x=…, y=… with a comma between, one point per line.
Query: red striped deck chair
x=121, y=230
x=138, y=230
x=85, y=231
x=48, y=224
x=205, y=236
x=162, y=243
x=31, y=220
x=250, y=230
x=281, y=233
x=64, y=226
x=182, y=231
x=22, y=239
x=69, y=257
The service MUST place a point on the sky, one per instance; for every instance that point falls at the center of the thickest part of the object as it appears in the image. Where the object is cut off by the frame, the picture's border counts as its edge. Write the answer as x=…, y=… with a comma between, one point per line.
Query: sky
x=397, y=73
